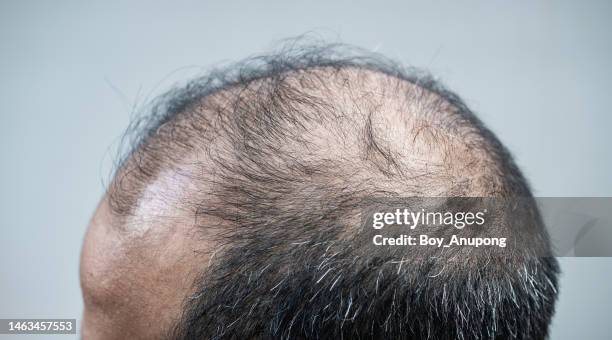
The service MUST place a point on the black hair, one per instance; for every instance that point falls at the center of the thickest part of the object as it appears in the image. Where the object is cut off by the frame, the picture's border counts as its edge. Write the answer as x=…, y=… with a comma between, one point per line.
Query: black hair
x=294, y=144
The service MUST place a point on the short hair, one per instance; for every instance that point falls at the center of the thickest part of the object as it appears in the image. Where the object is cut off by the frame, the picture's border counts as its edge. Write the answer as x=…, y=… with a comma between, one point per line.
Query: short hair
x=288, y=147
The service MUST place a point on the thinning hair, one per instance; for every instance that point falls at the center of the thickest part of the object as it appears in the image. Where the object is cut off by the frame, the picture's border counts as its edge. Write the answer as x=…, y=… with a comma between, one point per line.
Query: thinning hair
x=282, y=151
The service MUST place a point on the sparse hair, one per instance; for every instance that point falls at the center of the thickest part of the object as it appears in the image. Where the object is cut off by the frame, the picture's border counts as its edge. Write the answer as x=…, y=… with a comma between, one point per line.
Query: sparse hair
x=283, y=151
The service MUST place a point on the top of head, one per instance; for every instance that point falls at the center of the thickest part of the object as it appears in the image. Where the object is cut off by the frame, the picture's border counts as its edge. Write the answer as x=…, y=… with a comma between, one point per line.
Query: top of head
x=348, y=123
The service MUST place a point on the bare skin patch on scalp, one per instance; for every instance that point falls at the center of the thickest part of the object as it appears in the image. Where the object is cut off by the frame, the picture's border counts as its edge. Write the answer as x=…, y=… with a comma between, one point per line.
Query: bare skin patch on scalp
x=363, y=124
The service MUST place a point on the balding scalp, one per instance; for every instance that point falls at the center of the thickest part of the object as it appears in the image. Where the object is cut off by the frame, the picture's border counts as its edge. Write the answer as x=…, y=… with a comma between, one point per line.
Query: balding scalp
x=280, y=153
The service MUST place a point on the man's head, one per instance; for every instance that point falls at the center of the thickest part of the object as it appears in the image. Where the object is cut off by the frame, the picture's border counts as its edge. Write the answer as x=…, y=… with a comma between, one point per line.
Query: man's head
x=236, y=212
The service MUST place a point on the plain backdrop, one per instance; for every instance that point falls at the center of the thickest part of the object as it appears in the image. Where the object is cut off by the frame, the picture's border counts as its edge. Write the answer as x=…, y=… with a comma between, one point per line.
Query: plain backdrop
x=539, y=73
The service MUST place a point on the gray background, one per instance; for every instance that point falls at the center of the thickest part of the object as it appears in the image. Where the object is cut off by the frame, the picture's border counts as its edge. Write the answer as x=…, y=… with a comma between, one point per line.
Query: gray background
x=539, y=73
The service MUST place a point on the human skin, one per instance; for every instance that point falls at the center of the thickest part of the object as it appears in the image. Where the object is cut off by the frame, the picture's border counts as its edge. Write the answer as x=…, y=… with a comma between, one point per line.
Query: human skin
x=135, y=275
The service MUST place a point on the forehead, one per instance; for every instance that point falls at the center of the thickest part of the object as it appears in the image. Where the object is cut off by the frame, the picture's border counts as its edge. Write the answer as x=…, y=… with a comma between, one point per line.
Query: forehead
x=138, y=269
